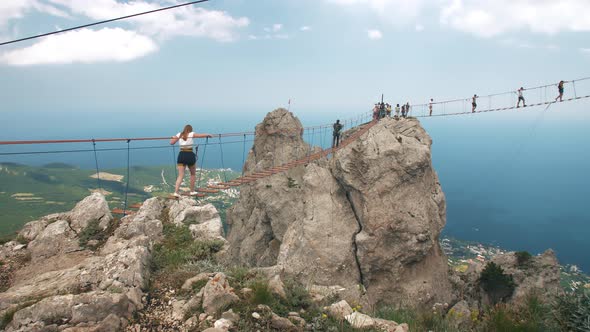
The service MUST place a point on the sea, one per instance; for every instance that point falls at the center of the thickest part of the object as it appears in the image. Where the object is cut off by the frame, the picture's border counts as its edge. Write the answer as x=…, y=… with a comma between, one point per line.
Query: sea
x=519, y=179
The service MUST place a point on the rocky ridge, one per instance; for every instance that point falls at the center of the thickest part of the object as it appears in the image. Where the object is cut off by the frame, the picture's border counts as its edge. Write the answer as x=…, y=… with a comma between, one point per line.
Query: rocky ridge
x=369, y=218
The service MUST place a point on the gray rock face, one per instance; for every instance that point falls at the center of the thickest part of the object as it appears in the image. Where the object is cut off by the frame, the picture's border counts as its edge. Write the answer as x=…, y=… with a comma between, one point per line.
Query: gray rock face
x=92, y=208
x=370, y=216
x=218, y=294
x=68, y=288
x=539, y=276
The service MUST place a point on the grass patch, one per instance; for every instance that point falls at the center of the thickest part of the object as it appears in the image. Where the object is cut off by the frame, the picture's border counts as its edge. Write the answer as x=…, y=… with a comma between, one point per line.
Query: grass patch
x=178, y=248
x=93, y=232
x=21, y=239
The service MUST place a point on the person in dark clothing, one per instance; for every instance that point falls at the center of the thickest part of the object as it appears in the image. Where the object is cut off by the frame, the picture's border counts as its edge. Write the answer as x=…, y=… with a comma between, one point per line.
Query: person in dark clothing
x=560, y=89
x=520, y=97
x=336, y=134
x=473, y=103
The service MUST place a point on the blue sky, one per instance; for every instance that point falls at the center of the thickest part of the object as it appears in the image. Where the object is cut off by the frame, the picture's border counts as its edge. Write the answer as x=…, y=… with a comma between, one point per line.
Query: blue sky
x=329, y=56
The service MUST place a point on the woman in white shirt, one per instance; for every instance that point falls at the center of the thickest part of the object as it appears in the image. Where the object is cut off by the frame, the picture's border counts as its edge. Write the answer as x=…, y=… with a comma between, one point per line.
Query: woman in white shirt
x=186, y=156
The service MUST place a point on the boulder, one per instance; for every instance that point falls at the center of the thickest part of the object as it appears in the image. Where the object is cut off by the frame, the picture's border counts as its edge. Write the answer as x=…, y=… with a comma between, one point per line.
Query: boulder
x=231, y=316
x=223, y=324
x=368, y=219
x=56, y=238
x=339, y=310
x=91, y=208
x=281, y=324
x=276, y=286
x=459, y=316
x=360, y=321
x=386, y=325
x=188, y=284
x=75, y=309
x=218, y=294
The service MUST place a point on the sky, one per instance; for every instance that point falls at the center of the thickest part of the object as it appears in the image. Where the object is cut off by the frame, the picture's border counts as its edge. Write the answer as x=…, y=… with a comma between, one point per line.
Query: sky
x=249, y=57
x=222, y=65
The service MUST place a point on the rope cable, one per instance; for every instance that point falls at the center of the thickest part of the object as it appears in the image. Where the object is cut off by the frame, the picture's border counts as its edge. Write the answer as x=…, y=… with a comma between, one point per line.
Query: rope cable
x=244, y=155
x=97, y=169
x=101, y=22
x=222, y=163
x=202, y=162
x=128, y=177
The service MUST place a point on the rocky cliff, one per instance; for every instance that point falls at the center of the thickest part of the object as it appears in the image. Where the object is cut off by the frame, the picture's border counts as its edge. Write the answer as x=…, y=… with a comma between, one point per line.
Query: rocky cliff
x=367, y=220
x=85, y=271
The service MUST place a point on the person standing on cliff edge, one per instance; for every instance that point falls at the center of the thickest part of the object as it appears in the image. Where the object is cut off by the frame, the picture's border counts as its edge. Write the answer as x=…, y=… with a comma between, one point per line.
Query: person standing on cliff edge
x=186, y=157
x=336, y=134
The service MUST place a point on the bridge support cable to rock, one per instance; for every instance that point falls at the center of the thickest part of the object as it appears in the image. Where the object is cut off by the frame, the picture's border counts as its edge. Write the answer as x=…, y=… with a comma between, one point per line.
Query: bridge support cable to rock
x=127, y=179
x=97, y=168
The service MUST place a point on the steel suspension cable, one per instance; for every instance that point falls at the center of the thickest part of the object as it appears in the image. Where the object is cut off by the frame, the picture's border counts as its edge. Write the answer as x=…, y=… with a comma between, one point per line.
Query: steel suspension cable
x=97, y=169
x=102, y=22
x=128, y=176
x=202, y=162
x=222, y=163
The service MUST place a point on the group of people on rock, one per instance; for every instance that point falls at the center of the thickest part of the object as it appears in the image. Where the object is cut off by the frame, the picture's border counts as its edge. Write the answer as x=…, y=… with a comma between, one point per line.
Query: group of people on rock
x=382, y=110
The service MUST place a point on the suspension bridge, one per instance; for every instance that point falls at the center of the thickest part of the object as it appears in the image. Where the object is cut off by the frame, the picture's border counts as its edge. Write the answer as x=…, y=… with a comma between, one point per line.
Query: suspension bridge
x=536, y=97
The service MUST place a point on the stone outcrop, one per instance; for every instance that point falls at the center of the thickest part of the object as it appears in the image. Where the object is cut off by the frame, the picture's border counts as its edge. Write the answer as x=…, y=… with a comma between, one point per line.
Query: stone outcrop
x=368, y=219
x=538, y=275
x=66, y=286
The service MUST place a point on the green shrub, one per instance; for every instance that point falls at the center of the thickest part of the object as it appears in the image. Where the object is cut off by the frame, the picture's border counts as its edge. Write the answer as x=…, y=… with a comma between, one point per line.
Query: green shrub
x=261, y=293
x=417, y=319
x=523, y=258
x=297, y=295
x=178, y=248
x=21, y=239
x=572, y=312
x=498, y=285
x=93, y=232
x=240, y=276
x=7, y=317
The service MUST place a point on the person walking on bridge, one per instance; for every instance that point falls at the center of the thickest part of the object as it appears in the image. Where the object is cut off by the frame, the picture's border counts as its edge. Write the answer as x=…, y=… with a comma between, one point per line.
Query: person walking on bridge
x=473, y=103
x=520, y=98
x=430, y=106
x=186, y=157
x=336, y=134
x=560, y=89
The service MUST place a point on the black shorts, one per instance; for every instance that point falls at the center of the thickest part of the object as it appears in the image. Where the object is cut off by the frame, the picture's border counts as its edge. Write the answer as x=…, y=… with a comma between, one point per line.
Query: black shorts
x=560, y=91
x=186, y=158
x=474, y=104
x=520, y=98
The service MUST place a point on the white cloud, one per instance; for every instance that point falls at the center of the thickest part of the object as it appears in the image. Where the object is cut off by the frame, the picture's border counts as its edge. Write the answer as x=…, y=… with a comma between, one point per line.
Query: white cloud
x=107, y=44
x=374, y=34
x=419, y=27
x=491, y=18
x=585, y=50
x=305, y=28
x=184, y=21
x=192, y=21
